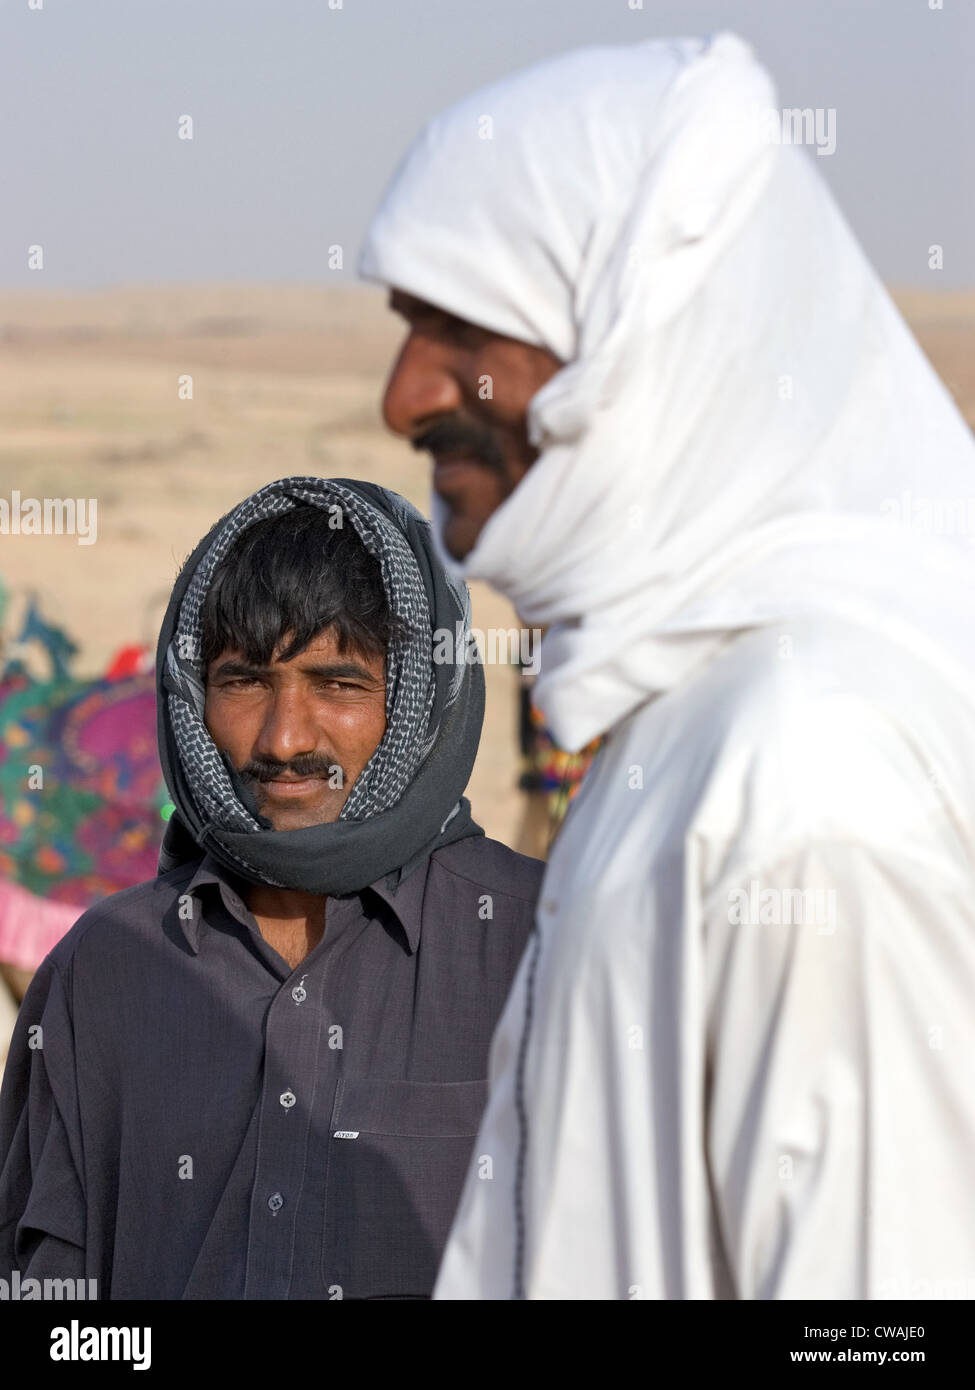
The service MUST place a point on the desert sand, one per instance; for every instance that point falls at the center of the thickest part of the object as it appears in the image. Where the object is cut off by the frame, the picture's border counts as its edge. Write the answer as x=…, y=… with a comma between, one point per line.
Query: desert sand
x=285, y=380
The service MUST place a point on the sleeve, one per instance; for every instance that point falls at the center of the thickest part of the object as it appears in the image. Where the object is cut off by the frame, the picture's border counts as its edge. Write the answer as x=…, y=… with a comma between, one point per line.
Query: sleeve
x=840, y=1110
x=42, y=1200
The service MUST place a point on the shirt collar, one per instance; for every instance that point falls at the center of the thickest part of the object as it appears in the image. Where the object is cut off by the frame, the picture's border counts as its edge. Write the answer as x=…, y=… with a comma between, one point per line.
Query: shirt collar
x=405, y=899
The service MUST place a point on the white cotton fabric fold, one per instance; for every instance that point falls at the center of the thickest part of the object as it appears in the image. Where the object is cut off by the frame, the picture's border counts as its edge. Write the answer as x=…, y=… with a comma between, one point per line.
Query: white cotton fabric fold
x=743, y=418
x=746, y=535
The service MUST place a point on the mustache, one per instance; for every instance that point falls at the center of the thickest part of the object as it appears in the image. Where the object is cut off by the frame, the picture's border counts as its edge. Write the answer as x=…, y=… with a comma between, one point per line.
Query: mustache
x=305, y=765
x=452, y=435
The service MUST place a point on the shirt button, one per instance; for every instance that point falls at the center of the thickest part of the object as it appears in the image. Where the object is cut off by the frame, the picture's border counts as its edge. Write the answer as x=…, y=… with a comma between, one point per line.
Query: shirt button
x=275, y=1201
x=287, y=1099
x=298, y=994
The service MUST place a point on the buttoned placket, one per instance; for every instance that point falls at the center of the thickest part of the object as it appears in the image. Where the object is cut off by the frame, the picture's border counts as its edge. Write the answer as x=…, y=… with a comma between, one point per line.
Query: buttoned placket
x=291, y=1045
x=301, y=1074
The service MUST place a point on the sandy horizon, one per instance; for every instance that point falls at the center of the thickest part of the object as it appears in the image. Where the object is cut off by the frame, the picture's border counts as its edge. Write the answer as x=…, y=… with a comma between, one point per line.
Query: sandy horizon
x=287, y=379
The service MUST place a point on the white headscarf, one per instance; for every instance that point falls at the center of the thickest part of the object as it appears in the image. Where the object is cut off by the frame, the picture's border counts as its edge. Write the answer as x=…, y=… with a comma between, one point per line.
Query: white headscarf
x=744, y=424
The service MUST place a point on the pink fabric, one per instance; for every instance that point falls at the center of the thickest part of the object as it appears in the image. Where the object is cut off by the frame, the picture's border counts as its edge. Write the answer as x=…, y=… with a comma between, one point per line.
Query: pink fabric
x=30, y=926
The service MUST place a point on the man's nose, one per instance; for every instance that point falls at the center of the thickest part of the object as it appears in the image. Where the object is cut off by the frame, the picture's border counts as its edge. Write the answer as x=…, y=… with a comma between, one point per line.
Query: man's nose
x=289, y=726
x=421, y=386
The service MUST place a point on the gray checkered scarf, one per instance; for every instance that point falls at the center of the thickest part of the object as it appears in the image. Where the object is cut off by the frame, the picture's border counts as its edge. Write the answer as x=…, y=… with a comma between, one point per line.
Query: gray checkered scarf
x=211, y=798
x=410, y=685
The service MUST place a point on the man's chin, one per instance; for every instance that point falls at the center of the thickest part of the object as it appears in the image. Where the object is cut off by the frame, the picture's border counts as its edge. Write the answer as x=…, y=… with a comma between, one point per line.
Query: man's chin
x=299, y=818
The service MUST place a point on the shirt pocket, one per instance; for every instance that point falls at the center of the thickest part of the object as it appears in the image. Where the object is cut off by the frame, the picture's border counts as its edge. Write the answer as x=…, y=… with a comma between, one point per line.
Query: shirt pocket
x=398, y=1153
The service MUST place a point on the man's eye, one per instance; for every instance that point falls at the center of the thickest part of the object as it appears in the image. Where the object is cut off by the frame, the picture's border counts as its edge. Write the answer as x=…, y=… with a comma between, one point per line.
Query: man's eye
x=240, y=681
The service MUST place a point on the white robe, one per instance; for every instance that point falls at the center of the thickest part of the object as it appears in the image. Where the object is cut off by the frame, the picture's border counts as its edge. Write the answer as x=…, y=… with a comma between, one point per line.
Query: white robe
x=736, y=1061
x=733, y=1091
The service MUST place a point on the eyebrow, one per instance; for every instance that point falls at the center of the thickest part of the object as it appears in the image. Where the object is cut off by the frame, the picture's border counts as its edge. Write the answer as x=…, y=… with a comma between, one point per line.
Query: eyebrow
x=330, y=671
x=408, y=306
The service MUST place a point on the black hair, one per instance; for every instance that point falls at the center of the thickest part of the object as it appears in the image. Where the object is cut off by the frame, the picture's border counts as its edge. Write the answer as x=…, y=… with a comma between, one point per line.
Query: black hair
x=297, y=574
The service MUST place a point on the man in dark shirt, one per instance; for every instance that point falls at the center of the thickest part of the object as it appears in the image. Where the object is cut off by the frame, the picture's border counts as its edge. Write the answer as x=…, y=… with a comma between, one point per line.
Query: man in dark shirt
x=260, y=1075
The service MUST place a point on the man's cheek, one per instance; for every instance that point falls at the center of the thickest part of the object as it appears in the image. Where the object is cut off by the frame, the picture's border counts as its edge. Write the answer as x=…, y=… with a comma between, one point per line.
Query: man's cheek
x=231, y=734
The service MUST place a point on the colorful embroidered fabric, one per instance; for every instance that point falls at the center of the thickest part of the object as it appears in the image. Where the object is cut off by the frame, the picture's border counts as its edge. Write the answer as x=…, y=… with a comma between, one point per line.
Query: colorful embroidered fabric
x=546, y=767
x=81, y=791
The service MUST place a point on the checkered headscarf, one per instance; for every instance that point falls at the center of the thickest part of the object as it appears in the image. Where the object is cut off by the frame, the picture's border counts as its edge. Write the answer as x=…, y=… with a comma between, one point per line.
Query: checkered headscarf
x=410, y=681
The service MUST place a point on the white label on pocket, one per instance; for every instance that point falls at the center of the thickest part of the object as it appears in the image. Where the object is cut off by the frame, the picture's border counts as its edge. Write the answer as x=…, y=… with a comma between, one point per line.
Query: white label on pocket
x=346, y=1134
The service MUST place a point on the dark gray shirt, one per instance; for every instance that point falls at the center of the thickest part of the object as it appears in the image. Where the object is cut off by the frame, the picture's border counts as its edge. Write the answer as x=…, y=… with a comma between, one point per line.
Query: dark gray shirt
x=197, y=1120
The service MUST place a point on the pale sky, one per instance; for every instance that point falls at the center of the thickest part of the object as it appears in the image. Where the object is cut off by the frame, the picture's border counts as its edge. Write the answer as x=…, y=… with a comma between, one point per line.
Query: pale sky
x=301, y=111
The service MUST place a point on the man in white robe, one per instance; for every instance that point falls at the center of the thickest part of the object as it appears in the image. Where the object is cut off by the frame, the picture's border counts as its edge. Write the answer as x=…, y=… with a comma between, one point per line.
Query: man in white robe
x=737, y=1057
